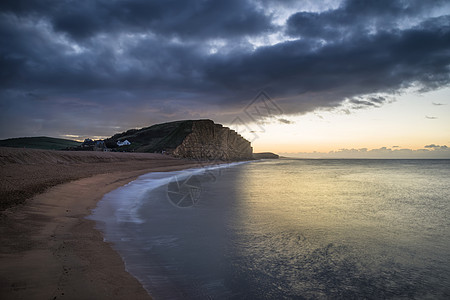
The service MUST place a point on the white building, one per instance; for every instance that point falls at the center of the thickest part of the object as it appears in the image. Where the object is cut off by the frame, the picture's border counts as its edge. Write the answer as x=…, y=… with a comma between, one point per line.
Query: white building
x=124, y=143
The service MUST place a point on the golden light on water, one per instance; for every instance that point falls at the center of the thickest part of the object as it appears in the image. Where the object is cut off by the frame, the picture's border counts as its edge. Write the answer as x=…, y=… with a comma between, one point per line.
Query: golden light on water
x=320, y=198
x=294, y=228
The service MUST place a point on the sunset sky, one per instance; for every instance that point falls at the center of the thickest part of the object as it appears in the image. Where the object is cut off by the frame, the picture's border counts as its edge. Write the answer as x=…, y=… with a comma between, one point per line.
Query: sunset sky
x=341, y=78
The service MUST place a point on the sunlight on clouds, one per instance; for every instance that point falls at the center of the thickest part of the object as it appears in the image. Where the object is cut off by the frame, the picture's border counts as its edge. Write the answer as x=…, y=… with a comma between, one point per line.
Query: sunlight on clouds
x=401, y=122
x=281, y=13
x=83, y=68
x=269, y=40
x=216, y=45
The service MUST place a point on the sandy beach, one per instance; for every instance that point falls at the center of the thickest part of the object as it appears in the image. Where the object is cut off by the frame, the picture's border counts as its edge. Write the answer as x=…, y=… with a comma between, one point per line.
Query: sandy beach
x=48, y=250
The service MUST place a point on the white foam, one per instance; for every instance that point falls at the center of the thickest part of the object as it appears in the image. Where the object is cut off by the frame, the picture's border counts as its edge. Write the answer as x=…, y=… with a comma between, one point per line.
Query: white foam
x=122, y=205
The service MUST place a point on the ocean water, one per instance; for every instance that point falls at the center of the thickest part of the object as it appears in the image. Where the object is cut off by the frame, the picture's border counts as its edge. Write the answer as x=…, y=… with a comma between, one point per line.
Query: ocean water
x=287, y=229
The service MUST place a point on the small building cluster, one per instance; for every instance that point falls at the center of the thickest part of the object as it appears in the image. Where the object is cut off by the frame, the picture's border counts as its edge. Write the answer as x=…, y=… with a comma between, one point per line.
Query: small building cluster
x=99, y=145
x=91, y=145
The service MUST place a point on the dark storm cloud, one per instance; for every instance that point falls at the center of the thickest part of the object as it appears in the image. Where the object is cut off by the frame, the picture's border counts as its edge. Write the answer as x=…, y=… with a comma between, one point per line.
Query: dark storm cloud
x=186, y=19
x=358, y=102
x=141, y=62
x=381, y=62
x=357, y=17
x=285, y=121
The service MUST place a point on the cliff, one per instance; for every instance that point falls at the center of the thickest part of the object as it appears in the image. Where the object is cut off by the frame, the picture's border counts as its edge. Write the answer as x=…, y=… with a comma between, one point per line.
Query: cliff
x=265, y=155
x=213, y=141
x=198, y=139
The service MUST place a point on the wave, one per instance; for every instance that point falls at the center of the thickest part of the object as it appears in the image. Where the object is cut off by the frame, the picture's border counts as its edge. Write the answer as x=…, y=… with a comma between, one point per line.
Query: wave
x=122, y=205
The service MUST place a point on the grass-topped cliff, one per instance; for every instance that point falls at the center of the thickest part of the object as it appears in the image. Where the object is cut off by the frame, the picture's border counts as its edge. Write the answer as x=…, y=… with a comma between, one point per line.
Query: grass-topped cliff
x=199, y=139
x=155, y=138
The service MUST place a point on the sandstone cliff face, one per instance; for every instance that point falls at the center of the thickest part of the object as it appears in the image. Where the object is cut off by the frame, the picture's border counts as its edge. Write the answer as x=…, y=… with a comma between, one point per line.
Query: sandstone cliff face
x=209, y=141
x=195, y=139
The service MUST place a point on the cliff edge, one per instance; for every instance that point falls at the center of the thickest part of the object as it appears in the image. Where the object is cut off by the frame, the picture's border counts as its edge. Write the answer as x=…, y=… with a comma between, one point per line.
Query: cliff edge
x=265, y=155
x=195, y=139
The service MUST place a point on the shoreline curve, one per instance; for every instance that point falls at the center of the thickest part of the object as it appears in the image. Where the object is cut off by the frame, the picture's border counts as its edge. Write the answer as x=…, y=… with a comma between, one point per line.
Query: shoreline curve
x=49, y=250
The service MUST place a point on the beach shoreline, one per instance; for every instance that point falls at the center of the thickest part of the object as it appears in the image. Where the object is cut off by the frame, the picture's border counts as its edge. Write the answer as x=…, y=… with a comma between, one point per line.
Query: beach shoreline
x=49, y=250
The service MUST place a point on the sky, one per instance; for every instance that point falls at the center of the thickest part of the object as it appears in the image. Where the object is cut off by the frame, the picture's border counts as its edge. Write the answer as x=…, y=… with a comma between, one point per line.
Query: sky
x=352, y=78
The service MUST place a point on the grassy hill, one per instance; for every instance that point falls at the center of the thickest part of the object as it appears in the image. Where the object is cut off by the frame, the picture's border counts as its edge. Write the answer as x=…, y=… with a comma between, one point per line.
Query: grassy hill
x=41, y=142
x=154, y=138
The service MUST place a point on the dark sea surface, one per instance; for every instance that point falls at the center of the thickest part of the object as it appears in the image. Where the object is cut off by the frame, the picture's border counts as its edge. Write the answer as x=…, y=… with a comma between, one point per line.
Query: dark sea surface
x=287, y=229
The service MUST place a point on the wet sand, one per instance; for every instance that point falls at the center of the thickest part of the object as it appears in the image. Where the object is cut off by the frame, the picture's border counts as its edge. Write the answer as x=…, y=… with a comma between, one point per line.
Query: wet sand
x=48, y=250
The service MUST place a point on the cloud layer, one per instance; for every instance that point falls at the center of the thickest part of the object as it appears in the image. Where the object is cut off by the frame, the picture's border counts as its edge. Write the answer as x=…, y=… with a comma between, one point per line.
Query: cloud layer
x=430, y=152
x=71, y=66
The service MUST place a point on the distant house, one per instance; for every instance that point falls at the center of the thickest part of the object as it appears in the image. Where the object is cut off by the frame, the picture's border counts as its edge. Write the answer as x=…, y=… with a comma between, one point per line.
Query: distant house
x=99, y=145
x=124, y=143
x=88, y=143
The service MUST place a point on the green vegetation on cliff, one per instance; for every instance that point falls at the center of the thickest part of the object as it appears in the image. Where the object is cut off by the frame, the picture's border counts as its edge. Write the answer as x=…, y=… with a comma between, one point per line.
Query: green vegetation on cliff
x=41, y=142
x=155, y=138
x=197, y=139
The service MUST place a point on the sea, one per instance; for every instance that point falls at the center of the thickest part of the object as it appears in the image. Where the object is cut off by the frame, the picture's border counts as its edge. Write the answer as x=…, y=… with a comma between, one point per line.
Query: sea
x=286, y=229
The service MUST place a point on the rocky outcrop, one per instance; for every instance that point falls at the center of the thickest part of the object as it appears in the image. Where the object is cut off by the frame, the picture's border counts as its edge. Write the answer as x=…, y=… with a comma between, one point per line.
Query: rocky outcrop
x=265, y=155
x=213, y=141
x=195, y=139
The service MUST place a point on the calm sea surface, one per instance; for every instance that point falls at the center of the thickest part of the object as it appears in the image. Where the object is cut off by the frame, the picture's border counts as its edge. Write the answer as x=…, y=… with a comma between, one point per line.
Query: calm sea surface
x=284, y=229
